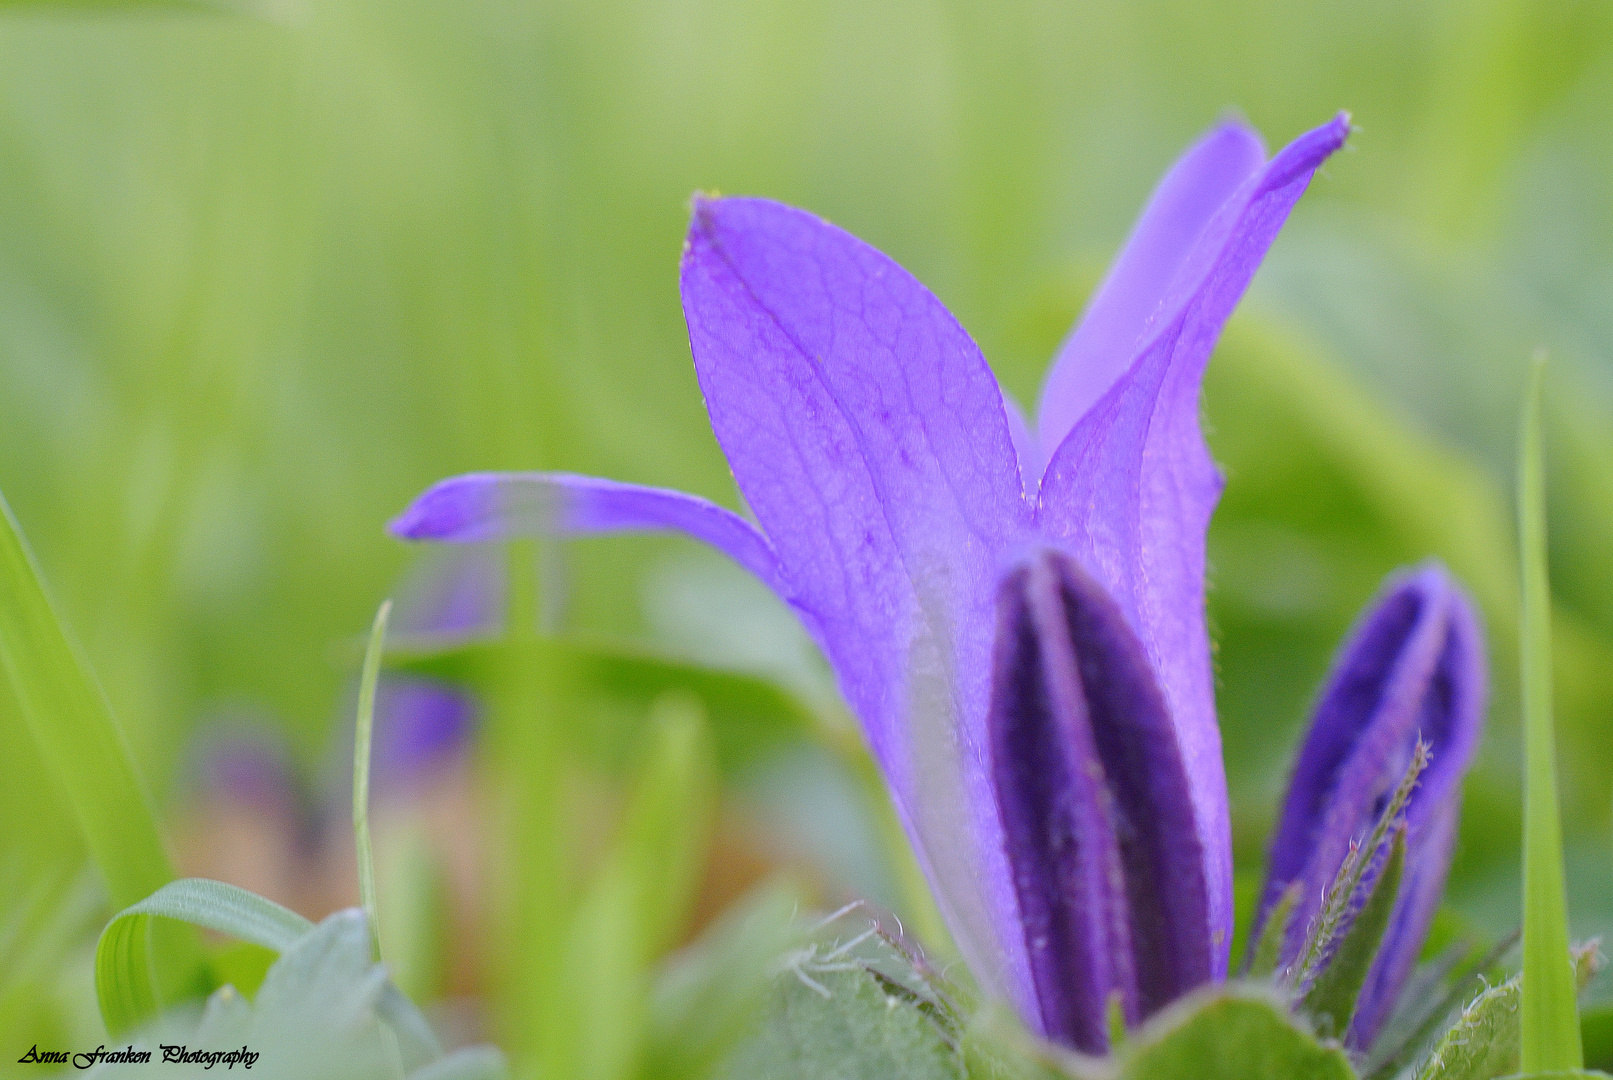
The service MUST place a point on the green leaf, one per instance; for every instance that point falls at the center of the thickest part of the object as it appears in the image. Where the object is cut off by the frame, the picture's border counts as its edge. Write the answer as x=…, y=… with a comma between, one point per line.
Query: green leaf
x=1331, y=998
x=326, y=1009
x=637, y=903
x=126, y=980
x=1240, y=1031
x=363, y=728
x=1550, y=1021
x=1559, y=1074
x=319, y=1010
x=708, y=996
x=1435, y=990
x=67, y=713
x=1483, y=1042
x=851, y=1008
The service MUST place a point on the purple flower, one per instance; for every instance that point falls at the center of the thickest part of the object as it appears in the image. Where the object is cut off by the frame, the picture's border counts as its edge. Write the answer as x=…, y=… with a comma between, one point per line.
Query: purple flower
x=977, y=607
x=1412, y=670
x=421, y=726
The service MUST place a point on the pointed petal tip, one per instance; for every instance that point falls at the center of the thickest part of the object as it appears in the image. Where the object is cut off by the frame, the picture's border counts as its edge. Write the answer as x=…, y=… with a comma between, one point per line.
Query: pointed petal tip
x=1305, y=154
x=437, y=511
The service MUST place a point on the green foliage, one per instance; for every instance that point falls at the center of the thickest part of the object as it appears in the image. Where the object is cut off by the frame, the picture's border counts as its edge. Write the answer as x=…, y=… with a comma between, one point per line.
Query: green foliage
x=73, y=728
x=326, y=1010
x=1333, y=919
x=1330, y=1002
x=1429, y=1002
x=709, y=996
x=127, y=979
x=1483, y=1042
x=635, y=904
x=1550, y=1019
x=852, y=1007
x=260, y=285
x=1235, y=1033
x=1596, y=1034
x=613, y=684
x=850, y=1001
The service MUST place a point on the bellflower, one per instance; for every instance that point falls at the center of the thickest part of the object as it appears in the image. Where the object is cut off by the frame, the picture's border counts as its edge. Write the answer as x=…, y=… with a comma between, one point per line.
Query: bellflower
x=1412, y=671
x=1015, y=615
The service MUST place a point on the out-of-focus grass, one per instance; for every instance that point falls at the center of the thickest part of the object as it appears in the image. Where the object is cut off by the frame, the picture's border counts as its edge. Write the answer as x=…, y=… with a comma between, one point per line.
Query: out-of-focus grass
x=264, y=276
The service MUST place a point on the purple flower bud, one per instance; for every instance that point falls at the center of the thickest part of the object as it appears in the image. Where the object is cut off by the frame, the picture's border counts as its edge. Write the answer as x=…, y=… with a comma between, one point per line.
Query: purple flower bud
x=1413, y=668
x=1096, y=806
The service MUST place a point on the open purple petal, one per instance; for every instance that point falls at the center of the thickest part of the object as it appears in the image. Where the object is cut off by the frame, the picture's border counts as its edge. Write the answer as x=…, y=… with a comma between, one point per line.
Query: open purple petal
x=479, y=507
x=1413, y=669
x=1096, y=807
x=869, y=437
x=1130, y=490
x=1106, y=339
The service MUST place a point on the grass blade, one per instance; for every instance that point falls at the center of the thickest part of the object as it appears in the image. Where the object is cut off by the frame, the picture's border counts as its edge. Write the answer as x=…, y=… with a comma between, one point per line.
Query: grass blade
x=72, y=725
x=1550, y=1035
x=363, y=730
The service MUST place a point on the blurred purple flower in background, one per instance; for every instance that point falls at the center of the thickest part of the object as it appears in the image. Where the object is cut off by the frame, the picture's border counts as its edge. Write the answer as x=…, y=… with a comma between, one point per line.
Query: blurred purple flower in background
x=422, y=726
x=1025, y=646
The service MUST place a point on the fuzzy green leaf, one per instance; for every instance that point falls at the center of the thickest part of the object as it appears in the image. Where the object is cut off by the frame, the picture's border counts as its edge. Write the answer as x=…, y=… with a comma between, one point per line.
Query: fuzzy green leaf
x=1550, y=1016
x=708, y=997
x=1483, y=1042
x=1234, y=1032
x=1331, y=998
x=858, y=1009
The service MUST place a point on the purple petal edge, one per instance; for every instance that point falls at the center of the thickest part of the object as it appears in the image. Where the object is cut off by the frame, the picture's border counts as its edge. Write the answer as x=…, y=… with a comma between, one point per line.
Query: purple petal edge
x=1108, y=334
x=479, y=507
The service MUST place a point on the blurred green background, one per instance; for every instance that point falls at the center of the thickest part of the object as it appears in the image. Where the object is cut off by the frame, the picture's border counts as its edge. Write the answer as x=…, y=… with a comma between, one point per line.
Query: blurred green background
x=267, y=270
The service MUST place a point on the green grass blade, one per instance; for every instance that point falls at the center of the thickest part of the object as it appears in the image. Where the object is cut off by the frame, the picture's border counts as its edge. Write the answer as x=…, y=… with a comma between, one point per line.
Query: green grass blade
x=72, y=725
x=126, y=964
x=1550, y=1035
x=362, y=732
